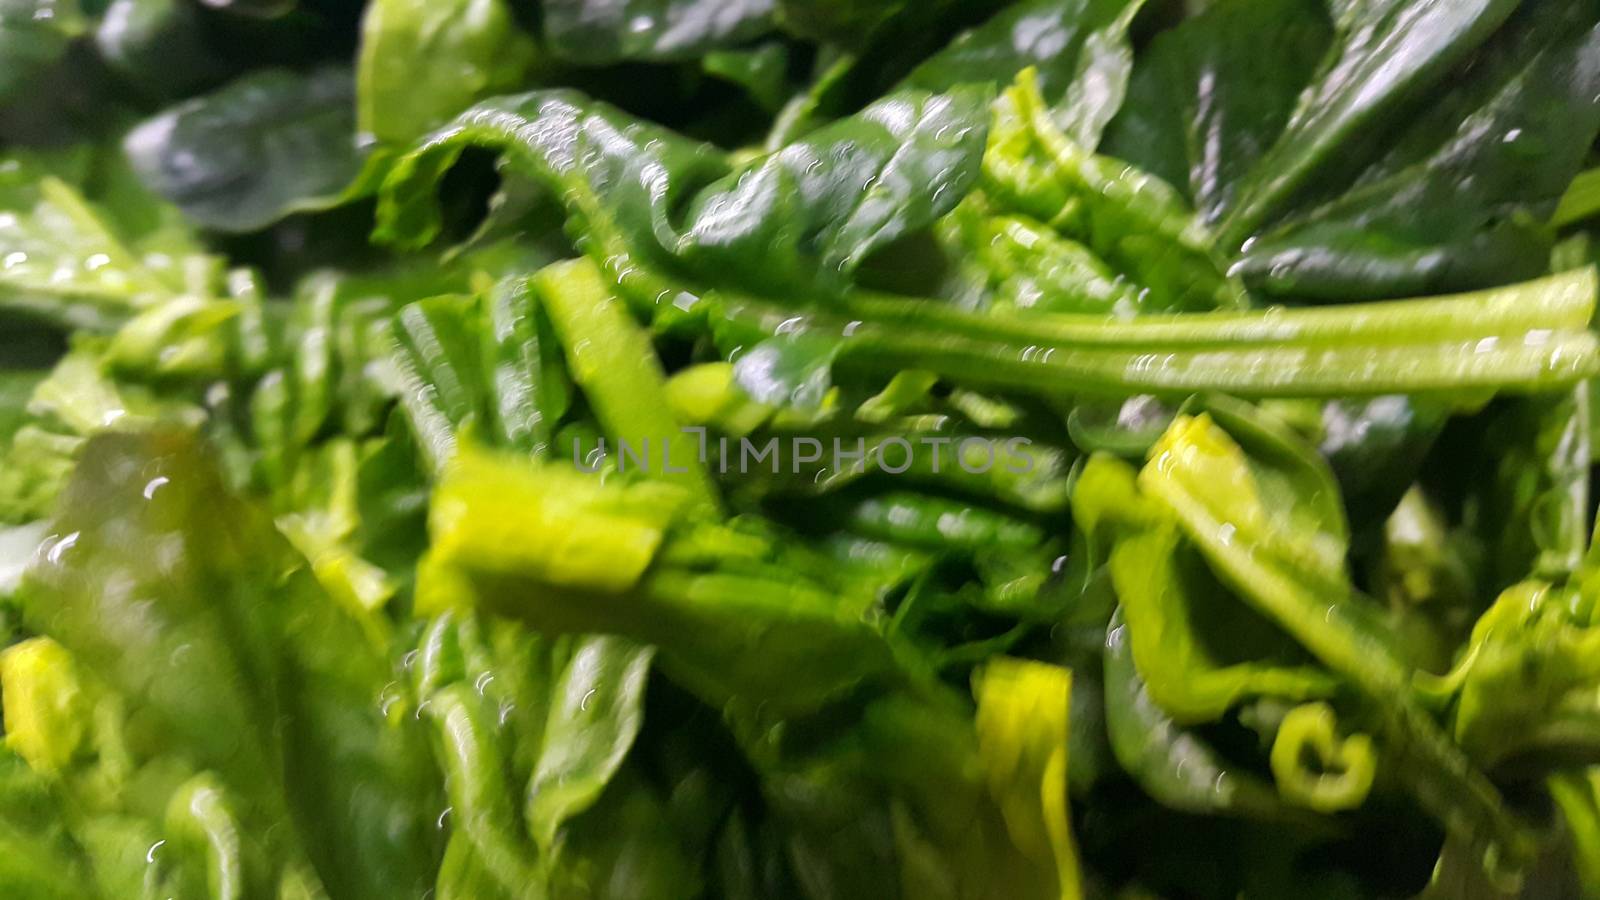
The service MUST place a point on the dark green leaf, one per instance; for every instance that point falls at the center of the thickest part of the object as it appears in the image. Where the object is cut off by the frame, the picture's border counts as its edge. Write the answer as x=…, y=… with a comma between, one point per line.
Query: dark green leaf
x=269, y=144
x=815, y=209
x=599, y=33
x=1209, y=97
x=761, y=71
x=1079, y=48
x=625, y=848
x=1526, y=505
x=1375, y=448
x=1174, y=766
x=1461, y=200
x=843, y=191
x=845, y=21
x=1386, y=54
x=34, y=35
x=160, y=45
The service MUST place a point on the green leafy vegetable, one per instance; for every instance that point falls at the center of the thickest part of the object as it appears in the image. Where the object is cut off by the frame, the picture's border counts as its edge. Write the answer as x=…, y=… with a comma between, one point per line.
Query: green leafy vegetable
x=68, y=266
x=1169, y=604
x=1467, y=212
x=34, y=36
x=610, y=361
x=1079, y=48
x=1385, y=54
x=816, y=207
x=231, y=672
x=1174, y=766
x=592, y=724
x=1211, y=95
x=1287, y=559
x=160, y=45
x=651, y=29
x=271, y=143
x=472, y=48
x=798, y=449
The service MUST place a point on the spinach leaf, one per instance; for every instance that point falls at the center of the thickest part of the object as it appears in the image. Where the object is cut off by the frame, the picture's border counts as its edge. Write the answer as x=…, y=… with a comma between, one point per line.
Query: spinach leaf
x=1301, y=529
x=47, y=710
x=1134, y=221
x=1460, y=201
x=815, y=209
x=38, y=463
x=1181, y=633
x=506, y=559
x=77, y=399
x=595, y=566
x=439, y=361
x=762, y=71
x=320, y=515
x=1538, y=478
x=1286, y=558
x=593, y=719
x=554, y=719
x=1526, y=676
x=1385, y=55
x=1375, y=448
x=269, y=144
x=600, y=33
x=321, y=364
x=1079, y=49
x=1577, y=796
x=40, y=859
x=224, y=647
x=421, y=63
x=1208, y=97
x=610, y=361
x=1579, y=201
x=1171, y=764
x=1023, y=711
x=161, y=46
x=68, y=267
x=531, y=387
x=897, y=805
x=94, y=801
x=34, y=35
x=1031, y=266
x=479, y=792
x=850, y=187
x=627, y=847
x=849, y=23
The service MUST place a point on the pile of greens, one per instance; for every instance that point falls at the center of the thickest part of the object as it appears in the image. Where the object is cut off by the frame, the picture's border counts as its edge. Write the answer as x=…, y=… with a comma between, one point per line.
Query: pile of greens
x=420, y=430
